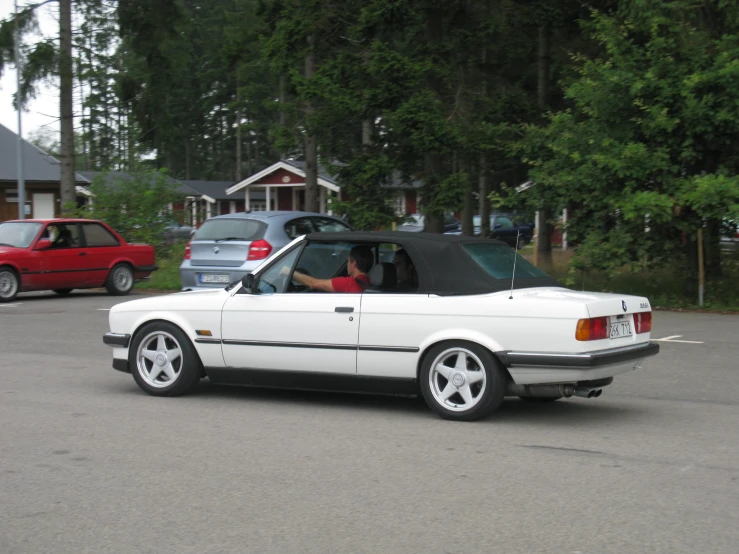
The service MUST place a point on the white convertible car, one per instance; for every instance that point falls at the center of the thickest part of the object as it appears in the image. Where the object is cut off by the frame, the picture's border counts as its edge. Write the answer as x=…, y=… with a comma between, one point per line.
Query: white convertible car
x=474, y=323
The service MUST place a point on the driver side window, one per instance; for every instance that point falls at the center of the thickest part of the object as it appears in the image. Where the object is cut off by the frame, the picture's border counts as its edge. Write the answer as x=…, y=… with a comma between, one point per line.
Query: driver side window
x=275, y=279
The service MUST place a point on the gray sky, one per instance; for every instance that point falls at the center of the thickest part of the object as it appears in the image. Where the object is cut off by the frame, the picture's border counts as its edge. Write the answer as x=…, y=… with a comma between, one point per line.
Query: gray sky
x=44, y=110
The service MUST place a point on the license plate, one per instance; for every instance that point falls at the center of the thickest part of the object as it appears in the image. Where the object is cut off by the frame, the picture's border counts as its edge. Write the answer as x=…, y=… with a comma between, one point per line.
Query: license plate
x=620, y=329
x=222, y=279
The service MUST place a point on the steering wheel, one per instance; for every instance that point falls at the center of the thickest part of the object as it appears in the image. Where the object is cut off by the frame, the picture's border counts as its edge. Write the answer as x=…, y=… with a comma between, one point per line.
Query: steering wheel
x=297, y=287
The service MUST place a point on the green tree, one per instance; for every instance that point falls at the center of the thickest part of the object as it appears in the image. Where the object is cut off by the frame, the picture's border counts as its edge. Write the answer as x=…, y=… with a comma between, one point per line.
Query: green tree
x=650, y=141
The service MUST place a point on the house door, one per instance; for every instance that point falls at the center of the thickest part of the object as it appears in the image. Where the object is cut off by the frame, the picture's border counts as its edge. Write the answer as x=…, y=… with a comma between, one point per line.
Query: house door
x=43, y=205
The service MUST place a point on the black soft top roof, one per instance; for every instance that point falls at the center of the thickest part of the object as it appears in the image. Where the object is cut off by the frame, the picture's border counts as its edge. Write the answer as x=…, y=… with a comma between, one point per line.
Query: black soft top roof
x=443, y=266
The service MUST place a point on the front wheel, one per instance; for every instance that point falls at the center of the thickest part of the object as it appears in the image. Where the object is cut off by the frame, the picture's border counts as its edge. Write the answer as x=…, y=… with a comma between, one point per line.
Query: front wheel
x=163, y=361
x=462, y=381
x=120, y=280
x=9, y=284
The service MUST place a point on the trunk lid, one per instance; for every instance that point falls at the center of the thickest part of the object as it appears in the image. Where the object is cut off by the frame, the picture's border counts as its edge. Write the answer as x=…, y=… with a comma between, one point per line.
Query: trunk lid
x=220, y=254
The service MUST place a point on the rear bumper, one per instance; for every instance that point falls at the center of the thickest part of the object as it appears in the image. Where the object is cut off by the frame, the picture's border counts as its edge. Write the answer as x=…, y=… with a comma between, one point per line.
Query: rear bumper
x=530, y=368
x=578, y=360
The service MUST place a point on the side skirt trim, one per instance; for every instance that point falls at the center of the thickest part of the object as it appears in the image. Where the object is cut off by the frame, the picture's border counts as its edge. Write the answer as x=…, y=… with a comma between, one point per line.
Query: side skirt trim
x=309, y=380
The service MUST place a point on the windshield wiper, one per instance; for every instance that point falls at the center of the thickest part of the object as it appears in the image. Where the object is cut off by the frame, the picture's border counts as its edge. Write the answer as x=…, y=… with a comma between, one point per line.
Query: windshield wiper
x=230, y=238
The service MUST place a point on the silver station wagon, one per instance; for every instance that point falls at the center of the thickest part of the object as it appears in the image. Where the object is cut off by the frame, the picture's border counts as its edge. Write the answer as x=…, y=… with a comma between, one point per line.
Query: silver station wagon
x=227, y=247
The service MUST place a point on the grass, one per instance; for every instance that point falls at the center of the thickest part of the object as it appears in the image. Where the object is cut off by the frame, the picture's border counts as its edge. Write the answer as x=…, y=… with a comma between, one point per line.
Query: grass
x=665, y=288
x=167, y=277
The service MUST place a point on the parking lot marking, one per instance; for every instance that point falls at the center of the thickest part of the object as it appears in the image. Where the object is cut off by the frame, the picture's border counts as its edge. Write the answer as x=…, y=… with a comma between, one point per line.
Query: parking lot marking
x=673, y=337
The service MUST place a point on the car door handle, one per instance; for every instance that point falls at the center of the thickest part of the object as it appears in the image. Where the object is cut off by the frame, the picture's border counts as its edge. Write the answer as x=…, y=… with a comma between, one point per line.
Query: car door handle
x=83, y=253
x=344, y=310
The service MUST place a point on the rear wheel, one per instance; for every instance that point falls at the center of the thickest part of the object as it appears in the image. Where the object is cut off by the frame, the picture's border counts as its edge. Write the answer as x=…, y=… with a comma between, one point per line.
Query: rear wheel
x=120, y=280
x=9, y=284
x=462, y=381
x=62, y=292
x=163, y=361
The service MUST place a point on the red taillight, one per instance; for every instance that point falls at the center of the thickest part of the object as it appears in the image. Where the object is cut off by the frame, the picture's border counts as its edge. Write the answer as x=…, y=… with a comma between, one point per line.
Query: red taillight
x=592, y=329
x=259, y=250
x=187, y=251
x=643, y=322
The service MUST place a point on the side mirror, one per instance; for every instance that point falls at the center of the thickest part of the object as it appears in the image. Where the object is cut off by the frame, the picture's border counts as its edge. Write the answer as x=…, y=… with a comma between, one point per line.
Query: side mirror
x=43, y=244
x=498, y=226
x=192, y=233
x=248, y=283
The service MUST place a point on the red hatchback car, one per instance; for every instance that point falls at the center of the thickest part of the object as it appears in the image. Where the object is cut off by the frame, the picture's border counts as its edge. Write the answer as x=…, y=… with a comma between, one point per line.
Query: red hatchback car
x=66, y=254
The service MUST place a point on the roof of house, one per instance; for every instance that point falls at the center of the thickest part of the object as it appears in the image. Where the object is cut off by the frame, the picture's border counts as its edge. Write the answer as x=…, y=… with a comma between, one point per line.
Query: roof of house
x=114, y=178
x=396, y=180
x=212, y=189
x=38, y=165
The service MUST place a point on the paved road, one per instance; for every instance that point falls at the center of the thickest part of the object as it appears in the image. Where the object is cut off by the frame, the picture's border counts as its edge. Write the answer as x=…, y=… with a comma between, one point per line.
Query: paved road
x=90, y=464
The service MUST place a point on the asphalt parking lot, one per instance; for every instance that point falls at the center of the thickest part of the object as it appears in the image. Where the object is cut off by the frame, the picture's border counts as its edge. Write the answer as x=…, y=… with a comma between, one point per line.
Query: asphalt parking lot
x=88, y=463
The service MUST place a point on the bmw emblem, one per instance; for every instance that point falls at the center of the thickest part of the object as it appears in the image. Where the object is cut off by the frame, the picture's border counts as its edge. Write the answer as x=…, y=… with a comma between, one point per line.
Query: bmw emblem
x=623, y=304
x=216, y=250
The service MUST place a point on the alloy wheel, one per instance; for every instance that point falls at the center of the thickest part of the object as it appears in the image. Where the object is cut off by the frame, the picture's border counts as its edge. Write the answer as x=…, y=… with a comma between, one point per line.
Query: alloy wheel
x=457, y=379
x=159, y=359
x=8, y=284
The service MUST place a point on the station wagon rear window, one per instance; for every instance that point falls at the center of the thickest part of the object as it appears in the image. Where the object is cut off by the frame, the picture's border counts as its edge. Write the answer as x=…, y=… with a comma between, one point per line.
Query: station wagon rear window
x=497, y=261
x=231, y=229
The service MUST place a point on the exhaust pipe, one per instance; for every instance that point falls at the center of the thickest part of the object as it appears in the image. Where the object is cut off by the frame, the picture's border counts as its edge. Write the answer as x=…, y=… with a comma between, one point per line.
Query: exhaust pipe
x=585, y=392
x=540, y=390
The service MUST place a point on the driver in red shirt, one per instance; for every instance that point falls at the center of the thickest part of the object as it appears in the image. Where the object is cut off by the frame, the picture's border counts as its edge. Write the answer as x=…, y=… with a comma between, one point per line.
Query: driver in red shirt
x=359, y=263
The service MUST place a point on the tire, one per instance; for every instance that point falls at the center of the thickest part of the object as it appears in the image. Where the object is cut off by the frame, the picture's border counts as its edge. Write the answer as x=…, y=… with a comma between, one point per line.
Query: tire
x=539, y=399
x=120, y=280
x=62, y=292
x=162, y=371
x=479, y=382
x=10, y=284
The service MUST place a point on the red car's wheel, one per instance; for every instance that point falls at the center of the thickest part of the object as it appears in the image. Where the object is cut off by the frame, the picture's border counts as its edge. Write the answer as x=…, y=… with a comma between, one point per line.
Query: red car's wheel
x=9, y=284
x=120, y=280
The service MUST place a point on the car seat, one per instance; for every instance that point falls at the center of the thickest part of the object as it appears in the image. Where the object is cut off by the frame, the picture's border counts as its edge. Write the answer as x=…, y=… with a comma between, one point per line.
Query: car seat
x=383, y=276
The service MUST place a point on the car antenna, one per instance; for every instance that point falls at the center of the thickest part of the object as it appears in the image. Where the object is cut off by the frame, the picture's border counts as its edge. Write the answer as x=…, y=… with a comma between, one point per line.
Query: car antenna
x=515, y=257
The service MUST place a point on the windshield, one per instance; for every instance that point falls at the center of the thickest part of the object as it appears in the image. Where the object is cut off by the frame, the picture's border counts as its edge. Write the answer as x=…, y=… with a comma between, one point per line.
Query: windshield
x=231, y=229
x=497, y=260
x=18, y=234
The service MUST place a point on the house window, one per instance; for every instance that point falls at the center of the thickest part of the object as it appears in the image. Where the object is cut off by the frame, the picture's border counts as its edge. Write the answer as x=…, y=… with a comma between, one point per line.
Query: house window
x=400, y=204
x=11, y=195
x=257, y=206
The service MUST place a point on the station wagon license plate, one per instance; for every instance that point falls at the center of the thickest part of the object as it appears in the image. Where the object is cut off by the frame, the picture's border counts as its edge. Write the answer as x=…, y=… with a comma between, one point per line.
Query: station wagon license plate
x=220, y=279
x=620, y=329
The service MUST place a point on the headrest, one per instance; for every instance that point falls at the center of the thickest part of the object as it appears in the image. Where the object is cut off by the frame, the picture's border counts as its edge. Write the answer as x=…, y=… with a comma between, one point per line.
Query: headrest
x=383, y=276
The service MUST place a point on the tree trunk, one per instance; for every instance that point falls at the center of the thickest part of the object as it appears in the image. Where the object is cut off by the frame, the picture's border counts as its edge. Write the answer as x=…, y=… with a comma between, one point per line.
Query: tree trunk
x=484, y=185
x=544, y=241
x=238, y=135
x=66, y=84
x=311, y=147
x=713, y=248
x=468, y=207
x=367, y=128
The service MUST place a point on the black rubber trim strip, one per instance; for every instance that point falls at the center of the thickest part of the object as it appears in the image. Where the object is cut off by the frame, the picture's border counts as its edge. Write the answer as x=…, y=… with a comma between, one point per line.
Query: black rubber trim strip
x=208, y=341
x=373, y=348
x=121, y=365
x=589, y=359
x=389, y=348
x=65, y=271
x=116, y=339
x=309, y=380
x=290, y=344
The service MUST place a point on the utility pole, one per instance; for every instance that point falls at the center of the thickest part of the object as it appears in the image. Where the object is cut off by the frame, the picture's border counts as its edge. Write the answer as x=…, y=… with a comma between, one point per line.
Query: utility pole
x=18, y=69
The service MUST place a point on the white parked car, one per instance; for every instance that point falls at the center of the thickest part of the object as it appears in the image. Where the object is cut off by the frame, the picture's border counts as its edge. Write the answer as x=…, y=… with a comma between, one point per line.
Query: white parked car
x=464, y=334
